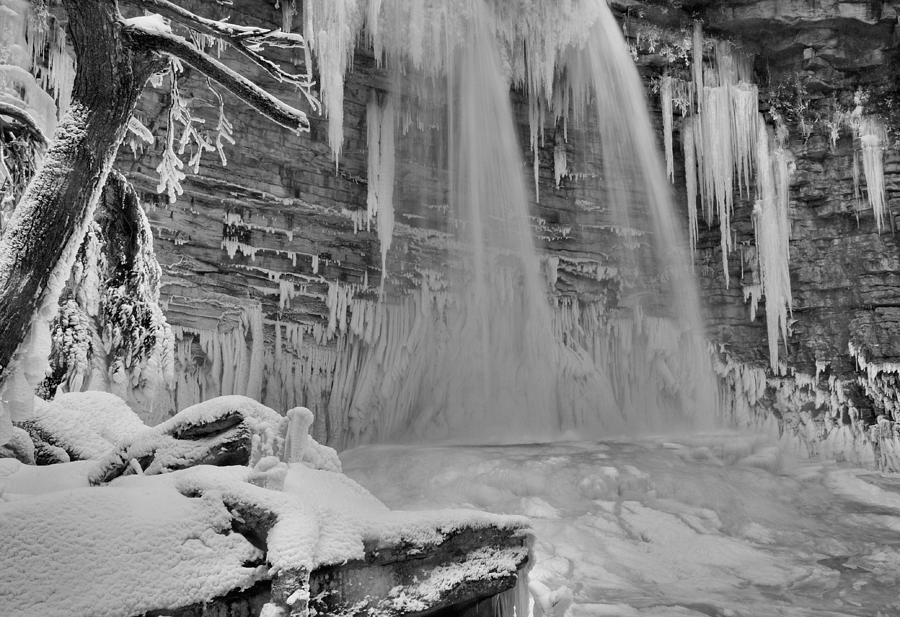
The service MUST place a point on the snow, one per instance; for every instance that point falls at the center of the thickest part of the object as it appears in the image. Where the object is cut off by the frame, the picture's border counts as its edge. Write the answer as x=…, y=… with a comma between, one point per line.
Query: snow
x=479, y=565
x=262, y=418
x=18, y=479
x=152, y=543
x=152, y=23
x=117, y=552
x=86, y=424
x=105, y=414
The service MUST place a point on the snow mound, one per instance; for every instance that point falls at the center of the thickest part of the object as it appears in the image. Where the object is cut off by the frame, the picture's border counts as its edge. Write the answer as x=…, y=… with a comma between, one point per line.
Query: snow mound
x=86, y=425
x=119, y=552
x=102, y=412
x=18, y=480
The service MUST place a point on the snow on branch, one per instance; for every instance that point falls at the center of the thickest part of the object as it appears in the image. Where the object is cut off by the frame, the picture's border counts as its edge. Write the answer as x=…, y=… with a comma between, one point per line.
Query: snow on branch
x=12, y=108
x=265, y=103
x=248, y=40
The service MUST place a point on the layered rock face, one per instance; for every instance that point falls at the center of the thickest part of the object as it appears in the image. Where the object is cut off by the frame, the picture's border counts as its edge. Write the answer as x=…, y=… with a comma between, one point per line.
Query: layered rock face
x=268, y=261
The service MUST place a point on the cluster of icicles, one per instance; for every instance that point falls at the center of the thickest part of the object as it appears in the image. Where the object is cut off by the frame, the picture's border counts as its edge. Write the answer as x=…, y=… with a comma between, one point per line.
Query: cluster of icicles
x=36, y=71
x=726, y=145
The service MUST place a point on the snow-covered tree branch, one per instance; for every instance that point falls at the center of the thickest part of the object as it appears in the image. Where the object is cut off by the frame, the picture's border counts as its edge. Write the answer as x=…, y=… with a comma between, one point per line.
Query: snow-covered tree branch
x=248, y=40
x=266, y=104
x=12, y=109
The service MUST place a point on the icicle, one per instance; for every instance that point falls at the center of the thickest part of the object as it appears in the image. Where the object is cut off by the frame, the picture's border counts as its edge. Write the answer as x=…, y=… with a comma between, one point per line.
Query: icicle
x=718, y=165
x=697, y=66
x=49, y=60
x=373, y=29
x=381, y=148
x=288, y=9
x=374, y=115
x=536, y=129
x=745, y=111
x=772, y=238
x=331, y=30
x=872, y=138
x=665, y=97
x=560, y=165
x=690, y=177
x=857, y=194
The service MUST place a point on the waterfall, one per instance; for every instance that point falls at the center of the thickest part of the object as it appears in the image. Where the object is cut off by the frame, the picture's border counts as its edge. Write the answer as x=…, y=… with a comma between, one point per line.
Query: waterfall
x=486, y=357
x=492, y=346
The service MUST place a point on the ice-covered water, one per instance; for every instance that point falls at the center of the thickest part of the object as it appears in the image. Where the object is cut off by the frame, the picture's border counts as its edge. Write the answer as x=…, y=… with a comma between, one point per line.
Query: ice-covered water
x=715, y=525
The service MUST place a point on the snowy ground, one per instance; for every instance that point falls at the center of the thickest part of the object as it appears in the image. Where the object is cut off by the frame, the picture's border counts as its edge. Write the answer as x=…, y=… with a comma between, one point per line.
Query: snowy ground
x=718, y=525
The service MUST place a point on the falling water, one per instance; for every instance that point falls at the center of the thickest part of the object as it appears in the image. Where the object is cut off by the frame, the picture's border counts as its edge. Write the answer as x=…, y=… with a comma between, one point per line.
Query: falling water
x=504, y=373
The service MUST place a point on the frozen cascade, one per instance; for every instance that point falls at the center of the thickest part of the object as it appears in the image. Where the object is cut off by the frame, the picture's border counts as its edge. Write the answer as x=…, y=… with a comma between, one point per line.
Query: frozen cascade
x=770, y=220
x=688, y=144
x=873, y=138
x=331, y=29
x=381, y=145
x=718, y=141
x=35, y=69
x=665, y=97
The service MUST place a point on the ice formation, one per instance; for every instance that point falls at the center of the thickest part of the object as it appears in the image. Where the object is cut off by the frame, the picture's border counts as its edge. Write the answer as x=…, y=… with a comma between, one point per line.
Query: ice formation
x=770, y=220
x=665, y=97
x=719, y=140
x=35, y=69
x=873, y=140
x=110, y=332
x=381, y=147
x=331, y=29
x=689, y=147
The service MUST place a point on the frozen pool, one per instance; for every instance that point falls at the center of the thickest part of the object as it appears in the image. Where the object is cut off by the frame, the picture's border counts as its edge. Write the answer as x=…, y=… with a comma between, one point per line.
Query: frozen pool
x=710, y=525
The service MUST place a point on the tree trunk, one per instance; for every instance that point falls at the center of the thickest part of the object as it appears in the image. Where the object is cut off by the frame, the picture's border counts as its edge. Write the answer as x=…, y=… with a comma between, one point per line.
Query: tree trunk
x=50, y=222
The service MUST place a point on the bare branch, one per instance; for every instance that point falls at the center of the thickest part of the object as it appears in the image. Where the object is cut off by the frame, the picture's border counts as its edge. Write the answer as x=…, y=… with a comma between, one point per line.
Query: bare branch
x=245, y=39
x=265, y=103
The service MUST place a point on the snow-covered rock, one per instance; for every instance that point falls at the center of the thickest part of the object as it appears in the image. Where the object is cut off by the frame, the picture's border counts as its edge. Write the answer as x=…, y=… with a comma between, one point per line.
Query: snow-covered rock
x=85, y=425
x=159, y=543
